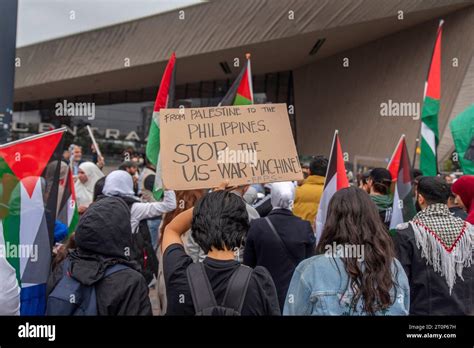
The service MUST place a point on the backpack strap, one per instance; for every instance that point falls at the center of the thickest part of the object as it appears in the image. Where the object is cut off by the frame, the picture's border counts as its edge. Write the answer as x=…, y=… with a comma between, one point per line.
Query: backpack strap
x=66, y=265
x=237, y=288
x=283, y=245
x=114, y=269
x=201, y=290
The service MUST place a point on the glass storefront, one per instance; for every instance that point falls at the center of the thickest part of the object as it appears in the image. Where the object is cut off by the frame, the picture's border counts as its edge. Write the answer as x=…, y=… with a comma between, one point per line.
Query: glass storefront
x=120, y=120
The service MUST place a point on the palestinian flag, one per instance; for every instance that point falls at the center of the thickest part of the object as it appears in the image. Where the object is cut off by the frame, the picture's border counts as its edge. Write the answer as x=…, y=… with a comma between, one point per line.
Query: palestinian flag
x=336, y=179
x=241, y=91
x=462, y=129
x=164, y=99
x=29, y=177
x=67, y=205
x=403, y=208
x=429, y=114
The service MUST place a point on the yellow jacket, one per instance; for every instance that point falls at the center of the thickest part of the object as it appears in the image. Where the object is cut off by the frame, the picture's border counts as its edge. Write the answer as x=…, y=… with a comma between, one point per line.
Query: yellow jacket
x=307, y=198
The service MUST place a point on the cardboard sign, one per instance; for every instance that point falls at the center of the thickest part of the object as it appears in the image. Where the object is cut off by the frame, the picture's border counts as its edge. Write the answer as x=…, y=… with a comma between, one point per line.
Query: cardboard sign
x=202, y=147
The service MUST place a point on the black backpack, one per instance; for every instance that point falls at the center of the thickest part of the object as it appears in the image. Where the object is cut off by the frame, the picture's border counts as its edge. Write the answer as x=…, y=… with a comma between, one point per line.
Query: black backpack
x=205, y=303
x=70, y=297
x=142, y=247
x=143, y=252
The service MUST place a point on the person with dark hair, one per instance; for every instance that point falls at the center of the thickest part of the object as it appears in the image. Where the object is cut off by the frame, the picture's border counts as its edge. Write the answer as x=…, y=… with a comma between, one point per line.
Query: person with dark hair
x=463, y=188
x=378, y=184
x=363, y=179
x=131, y=167
x=103, y=239
x=98, y=187
x=453, y=205
x=219, y=224
x=279, y=241
x=416, y=174
x=355, y=271
x=145, y=183
x=435, y=249
x=309, y=194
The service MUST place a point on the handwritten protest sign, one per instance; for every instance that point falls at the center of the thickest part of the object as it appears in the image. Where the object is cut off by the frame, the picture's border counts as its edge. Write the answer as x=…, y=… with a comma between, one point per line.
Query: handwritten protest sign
x=201, y=147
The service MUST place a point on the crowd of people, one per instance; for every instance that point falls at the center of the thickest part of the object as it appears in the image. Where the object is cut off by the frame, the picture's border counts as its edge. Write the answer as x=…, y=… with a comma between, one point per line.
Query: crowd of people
x=251, y=250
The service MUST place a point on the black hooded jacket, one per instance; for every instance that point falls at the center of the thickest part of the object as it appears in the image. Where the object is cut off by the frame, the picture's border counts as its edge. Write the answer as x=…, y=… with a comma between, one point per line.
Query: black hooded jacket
x=103, y=238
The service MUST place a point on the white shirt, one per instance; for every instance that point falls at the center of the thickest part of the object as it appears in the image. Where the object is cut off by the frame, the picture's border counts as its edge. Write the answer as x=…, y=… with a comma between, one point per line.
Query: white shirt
x=141, y=211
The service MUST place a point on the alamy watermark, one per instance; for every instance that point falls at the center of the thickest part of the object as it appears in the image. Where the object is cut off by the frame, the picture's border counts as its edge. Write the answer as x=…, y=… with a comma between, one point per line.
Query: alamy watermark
x=37, y=331
x=237, y=156
x=71, y=109
x=355, y=251
x=398, y=109
x=9, y=250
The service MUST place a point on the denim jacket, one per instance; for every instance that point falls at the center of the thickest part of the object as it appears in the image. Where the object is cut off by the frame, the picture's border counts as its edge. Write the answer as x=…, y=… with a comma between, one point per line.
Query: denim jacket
x=320, y=287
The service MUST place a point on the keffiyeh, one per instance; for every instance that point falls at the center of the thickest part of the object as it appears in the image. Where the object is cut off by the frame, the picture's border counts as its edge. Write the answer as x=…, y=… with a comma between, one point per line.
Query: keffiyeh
x=446, y=241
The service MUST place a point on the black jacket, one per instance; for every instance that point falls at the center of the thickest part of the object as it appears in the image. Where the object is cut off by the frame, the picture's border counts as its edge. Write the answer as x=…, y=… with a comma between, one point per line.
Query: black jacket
x=429, y=293
x=103, y=238
x=263, y=249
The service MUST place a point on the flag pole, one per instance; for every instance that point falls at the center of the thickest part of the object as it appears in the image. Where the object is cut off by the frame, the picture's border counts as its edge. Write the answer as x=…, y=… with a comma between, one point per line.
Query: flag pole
x=249, y=72
x=94, y=142
x=417, y=143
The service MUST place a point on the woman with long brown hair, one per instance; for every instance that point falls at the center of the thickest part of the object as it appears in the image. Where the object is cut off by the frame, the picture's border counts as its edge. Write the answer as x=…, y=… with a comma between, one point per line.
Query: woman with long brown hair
x=355, y=271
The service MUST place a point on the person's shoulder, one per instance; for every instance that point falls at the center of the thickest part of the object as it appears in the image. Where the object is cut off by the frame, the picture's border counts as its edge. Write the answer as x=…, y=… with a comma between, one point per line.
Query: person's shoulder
x=302, y=223
x=261, y=278
x=320, y=264
x=260, y=272
x=174, y=249
x=257, y=222
x=320, y=272
x=396, y=264
x=132, y=276
x=404, y=230
x=175, y=257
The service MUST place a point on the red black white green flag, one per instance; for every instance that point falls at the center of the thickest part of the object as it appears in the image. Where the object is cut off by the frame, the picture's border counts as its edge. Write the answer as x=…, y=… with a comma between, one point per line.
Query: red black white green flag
x=67, y=212
x=403, y=208
x=430, y=111
x=29, y=179
x=241, y=91
x=164, y=99
x=336, y=179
